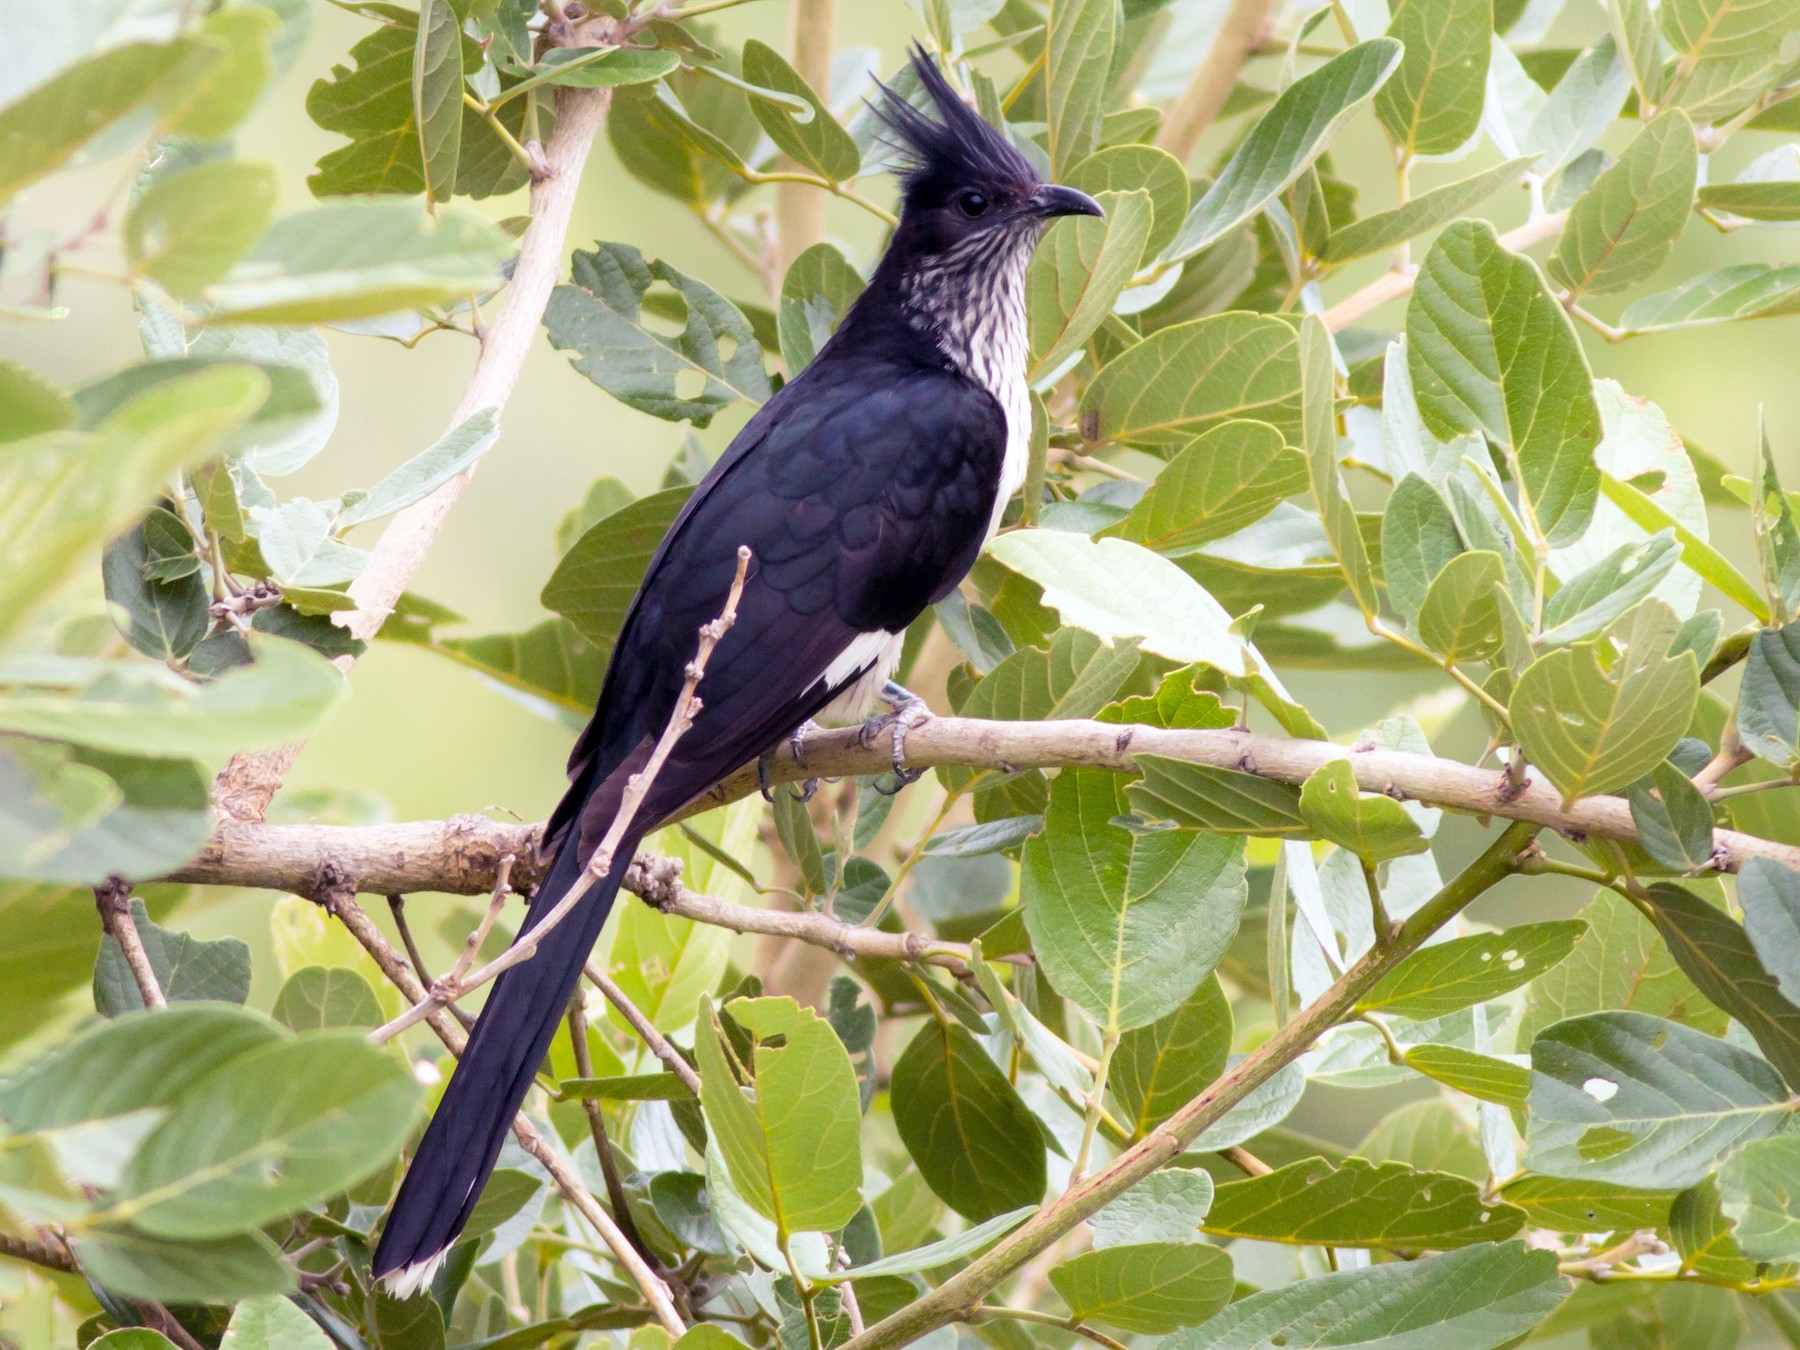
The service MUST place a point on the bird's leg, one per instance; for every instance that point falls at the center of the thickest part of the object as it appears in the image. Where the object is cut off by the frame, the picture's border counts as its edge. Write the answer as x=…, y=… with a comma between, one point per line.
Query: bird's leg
x=796, y=747
x=907, y=710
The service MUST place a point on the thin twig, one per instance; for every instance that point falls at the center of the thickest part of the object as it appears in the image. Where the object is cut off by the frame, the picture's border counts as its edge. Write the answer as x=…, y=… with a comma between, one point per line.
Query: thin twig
x=447, y=989
x=113, y=899
x=50, y=1251
x=397, y=908
x=637, y=788
x=339, y=902
x=659, y=1044
x=1393, y=285
x=603, y=1149
x=1245, y=1161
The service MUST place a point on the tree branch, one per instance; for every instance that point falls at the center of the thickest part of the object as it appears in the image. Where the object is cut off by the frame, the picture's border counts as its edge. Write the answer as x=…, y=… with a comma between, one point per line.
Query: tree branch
x=1198, y=104
x=248, y=783
x=646, y=1030
x=460, y=855
x=960, y=1295
x=113, y=900
x=800, y=209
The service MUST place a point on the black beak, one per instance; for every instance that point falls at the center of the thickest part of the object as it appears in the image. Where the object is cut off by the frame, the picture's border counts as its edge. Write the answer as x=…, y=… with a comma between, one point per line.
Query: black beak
x=1052, y=199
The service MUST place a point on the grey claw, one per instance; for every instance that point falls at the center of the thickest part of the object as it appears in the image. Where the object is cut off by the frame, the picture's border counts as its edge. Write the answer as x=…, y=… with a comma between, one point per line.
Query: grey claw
x=804, y=792
x=764, y=783
x=909, y=711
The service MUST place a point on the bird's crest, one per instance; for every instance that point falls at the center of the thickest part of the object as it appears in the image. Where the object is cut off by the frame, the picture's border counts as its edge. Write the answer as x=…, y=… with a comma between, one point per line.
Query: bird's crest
x=938, y=156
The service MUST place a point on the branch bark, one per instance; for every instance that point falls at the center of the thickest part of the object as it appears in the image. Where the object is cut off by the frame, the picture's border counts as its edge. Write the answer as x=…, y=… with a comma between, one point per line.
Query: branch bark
x=249, y=782
x=460, y=855
x=960, y=1295
x=800, y=208
x=113, y=900
x=1198, y=104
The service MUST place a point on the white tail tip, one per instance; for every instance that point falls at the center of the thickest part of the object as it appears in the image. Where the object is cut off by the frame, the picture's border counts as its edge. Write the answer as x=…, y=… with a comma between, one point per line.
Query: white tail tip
x=411, y=1279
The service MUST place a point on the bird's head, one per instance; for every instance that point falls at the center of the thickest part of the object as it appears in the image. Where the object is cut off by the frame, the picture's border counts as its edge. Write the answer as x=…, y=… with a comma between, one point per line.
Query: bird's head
x=965, y=188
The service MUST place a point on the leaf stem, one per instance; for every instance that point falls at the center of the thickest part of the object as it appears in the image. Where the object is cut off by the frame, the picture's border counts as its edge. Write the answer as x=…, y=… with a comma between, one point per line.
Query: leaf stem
x=1109, y=1043
x=989, y=1312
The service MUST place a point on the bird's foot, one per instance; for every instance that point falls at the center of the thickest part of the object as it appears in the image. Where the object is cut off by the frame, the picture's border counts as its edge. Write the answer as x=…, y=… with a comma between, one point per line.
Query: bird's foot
x=908, y=711
x=796, y=748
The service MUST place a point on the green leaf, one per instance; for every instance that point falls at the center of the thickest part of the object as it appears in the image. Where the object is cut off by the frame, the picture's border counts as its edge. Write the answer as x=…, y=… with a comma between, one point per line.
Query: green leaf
x=1482, y=1077
x=1715, y=952
x=1620, y=964
x=1706, y=1239
x=228, y=88
x=187, y=969
x=819, y=143
x=1596, y=596
x=818, y=290
x=1122, y=168
x=274, y=1130
x=792, y=1143
x=635, y=1087
x=593, y=585
x=1773, y=200
x=1467, y=608
x=1382, y=230
x=1475, y=1299
x=946, y=1251
x=594, y=68
x=1158, y=1068
x=132, y=1063
x=1701, y=557
x=1076, y=677
x=357, y=259
x=1427, y=1135
x=1449, y=976
x=1264, y=1109
x=1777, y=536
x=1182, y=380
x=1115, y=589
x=324, y=998
x=972, y=1138
x=1077, y=274
x=372, y=104
x=164, y=616
x=425, y=472
x=273, y=1324
x=1625, y=226
x=1728, y=48
x=1673, y=818
x=1769, y=893
x=1359, y=1204
x=1742, y=291
x=1373, y=827
x=1593, y=731
x=1165, y=1206
x=30, y=405
x=188, y=230
x=437, y=89
x=1491, y=350
x=1148, y=1287
x=1768, y=708
x=1419, y=539
x=1756, y=1191
x=1229, y=477
x=1078, y=58
x=1586, y=1206
x=1433, y=102
x=975, y=841
x=81, y=816
x=1284, y=143
x=216, y=1270
x=62, y=493
x=1639, y=1101
x=42, y=130
x=1125, y=925
x=599, y=316
x=1201, y=797
x=1319, y=439
x=281, y=695
x=551, y=661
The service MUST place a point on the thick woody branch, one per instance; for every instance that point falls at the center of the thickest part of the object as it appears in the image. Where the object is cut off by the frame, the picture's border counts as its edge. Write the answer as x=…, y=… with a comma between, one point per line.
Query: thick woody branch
x=1199, y=103
x=249, y=782
x=461, y=855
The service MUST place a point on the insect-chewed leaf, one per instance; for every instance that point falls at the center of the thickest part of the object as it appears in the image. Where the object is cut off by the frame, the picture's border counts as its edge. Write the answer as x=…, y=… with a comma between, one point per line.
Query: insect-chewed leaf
x=1373, y=827
x=1438, y=980
x=599, y=315
x=1359, y=1204
x=1640, y=1101
x=187, y=969
x=1475, y=1299
x=820, y=143
x=1757, y=1193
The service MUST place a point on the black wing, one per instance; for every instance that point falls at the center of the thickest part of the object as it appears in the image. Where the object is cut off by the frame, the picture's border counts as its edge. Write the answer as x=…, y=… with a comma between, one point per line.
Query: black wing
x=864, y=491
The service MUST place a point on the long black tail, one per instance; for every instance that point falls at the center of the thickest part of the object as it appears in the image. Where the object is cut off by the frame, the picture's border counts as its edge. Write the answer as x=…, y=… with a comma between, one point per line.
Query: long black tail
x=496, y=1070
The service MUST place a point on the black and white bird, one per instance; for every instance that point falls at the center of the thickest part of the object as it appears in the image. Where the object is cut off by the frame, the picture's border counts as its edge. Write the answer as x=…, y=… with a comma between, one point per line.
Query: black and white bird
x=865, y=490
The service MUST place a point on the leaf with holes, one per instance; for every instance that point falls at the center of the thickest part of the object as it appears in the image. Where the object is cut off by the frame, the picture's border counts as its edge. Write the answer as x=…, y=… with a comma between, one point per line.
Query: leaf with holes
x=818, y=290
x=1373, y=827
x=820, y=143
x=1449, y=976
x=1639, y=1101
x=1567, y=1206
x=1359, y=1204
x=1757, y=1191
x=688, y=376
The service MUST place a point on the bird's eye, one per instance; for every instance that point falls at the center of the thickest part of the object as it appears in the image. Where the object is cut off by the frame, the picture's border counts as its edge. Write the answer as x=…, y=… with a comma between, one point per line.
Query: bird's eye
x=972, y=204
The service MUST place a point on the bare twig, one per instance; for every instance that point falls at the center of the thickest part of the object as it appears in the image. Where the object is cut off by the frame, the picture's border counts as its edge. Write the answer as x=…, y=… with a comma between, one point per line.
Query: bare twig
x=658, y=1043
x=1393, y=285
x=1245, y=1161
x=341, y=904
x=50, y=1251
x=1198, y=104
x=603, y=1150
x=1732, y=755
x=397, y=908
x=637, y=788
x=113, y=899
x=448, y=988
x=800, y=209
